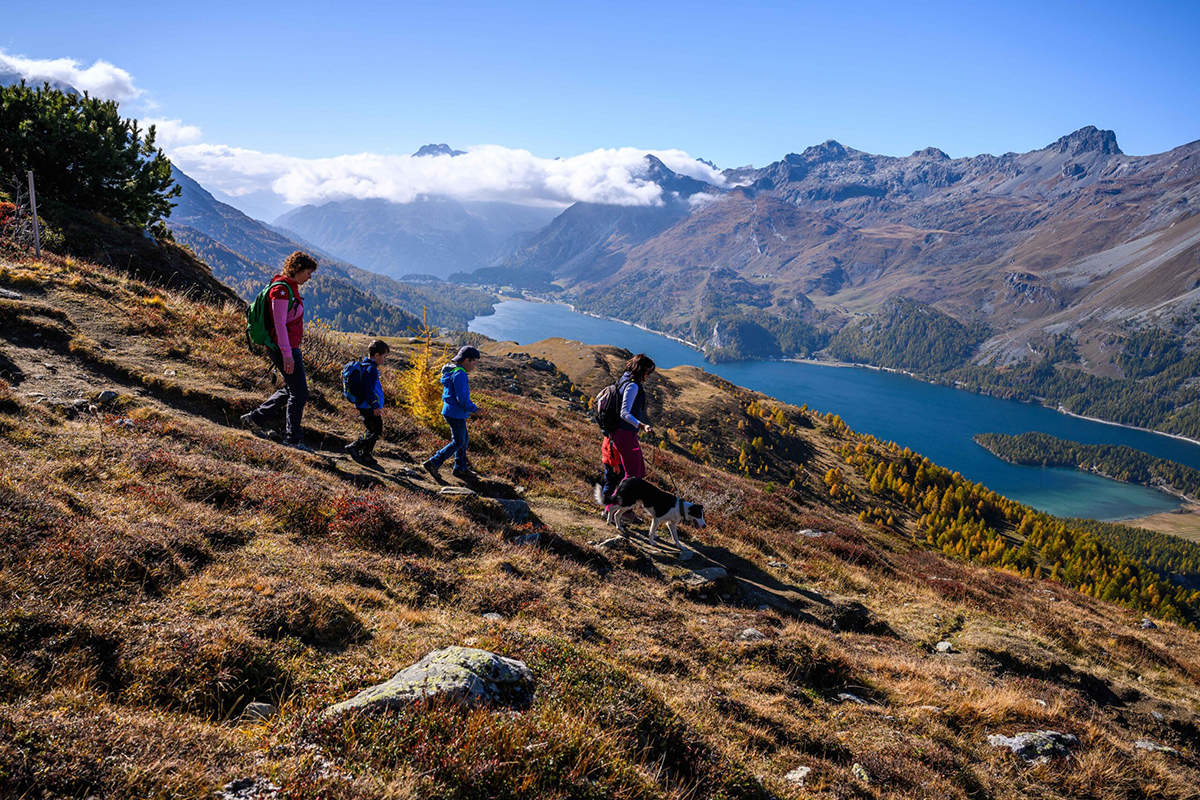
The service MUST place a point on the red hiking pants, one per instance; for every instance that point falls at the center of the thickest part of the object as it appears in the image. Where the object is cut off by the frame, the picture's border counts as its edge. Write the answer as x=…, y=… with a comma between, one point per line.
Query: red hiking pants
x=627, y=445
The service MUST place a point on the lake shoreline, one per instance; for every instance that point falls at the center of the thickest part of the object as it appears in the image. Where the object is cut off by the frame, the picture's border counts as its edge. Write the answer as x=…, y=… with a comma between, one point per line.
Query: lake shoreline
x=1185, y=501
x=841, y=364
x=1127, y=426
x=917, y=414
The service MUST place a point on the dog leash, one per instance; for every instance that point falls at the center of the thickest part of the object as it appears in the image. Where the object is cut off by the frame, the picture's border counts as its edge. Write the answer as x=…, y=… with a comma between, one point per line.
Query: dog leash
x=671, y=475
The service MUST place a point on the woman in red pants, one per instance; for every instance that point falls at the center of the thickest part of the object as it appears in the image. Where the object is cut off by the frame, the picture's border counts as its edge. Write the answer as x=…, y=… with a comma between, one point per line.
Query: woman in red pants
x=633, y=415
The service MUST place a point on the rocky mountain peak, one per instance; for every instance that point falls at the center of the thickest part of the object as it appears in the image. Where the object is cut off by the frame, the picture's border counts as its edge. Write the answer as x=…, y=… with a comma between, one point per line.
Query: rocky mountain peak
x=671, y=181
x=931, y=152
x=829, y=150
x=438, y=150
x=1089, y=139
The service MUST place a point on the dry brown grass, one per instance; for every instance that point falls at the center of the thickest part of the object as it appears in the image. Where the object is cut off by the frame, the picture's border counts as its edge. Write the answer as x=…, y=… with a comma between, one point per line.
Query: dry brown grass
x=158, y=574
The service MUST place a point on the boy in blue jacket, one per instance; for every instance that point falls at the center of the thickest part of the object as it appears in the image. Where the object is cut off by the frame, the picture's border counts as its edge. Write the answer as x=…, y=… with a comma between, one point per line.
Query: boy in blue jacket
x=456, y=407
x=370, y=403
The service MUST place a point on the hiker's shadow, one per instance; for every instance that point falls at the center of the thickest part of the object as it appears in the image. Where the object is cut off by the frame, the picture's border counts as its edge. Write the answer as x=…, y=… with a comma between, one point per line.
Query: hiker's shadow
x=491, y=488
x=746, y=569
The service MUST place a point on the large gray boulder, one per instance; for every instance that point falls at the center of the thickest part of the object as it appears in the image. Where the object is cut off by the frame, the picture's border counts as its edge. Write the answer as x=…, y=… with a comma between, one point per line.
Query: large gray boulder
x=699, y=578
x=516, y=510
x=463, y=675
x=1037, y=747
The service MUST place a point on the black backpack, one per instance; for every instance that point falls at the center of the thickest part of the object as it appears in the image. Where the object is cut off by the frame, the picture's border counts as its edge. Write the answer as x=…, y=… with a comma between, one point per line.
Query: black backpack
x=608, y=407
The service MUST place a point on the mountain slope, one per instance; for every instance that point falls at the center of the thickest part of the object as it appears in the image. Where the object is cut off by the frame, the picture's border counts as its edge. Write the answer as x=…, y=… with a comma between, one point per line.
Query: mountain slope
x=161, y=569
x=246, y=253
x=431, y=235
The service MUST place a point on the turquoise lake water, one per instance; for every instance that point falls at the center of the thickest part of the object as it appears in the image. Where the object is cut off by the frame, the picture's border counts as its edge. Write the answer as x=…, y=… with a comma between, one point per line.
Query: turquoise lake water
x=936, y=421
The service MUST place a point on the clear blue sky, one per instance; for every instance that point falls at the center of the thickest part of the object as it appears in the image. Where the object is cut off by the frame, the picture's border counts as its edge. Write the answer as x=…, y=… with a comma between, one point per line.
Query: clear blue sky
x=739, y=82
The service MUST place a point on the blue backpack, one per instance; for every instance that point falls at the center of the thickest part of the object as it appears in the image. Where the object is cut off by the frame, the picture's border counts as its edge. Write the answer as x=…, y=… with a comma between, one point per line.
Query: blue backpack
x=352, y=381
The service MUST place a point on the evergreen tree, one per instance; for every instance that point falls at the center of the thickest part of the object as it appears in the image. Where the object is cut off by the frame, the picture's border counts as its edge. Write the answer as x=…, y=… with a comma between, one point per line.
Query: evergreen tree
x=84, y=156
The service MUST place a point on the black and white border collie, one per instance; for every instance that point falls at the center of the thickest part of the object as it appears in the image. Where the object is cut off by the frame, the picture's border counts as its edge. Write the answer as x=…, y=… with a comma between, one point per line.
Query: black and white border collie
x=667, y=509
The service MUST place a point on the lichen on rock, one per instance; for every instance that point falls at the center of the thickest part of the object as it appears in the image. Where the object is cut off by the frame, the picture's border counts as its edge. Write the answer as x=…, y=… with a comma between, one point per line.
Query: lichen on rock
x=463, y=675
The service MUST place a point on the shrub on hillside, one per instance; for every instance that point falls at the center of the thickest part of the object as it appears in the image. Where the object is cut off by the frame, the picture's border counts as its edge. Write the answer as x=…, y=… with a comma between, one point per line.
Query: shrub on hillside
x=372, y=520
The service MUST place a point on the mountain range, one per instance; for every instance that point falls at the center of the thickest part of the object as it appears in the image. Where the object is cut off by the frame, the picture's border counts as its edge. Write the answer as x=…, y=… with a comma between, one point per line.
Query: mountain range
x=1074, y=238
x=1067, y=248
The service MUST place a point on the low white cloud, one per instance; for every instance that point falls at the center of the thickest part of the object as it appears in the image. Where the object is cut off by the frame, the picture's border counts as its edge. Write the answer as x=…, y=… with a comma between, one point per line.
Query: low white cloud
x=614, y=176
x=171, y=133
x=701, y=199
x=101, y=79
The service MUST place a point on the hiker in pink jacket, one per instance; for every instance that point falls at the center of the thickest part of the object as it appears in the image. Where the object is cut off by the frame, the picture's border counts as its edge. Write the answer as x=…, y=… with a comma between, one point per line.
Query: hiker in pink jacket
x=287, y=331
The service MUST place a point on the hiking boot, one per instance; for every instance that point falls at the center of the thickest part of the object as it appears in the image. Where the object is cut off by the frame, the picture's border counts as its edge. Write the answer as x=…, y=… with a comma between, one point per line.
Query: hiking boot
x=369, y=460
x=353, y=451
x=295, y=445
x=432, y=469
x=467, y=474
x=249, y=424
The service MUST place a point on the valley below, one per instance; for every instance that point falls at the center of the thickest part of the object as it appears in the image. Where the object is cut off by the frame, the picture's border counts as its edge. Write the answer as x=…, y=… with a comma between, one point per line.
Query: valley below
x=937, y=421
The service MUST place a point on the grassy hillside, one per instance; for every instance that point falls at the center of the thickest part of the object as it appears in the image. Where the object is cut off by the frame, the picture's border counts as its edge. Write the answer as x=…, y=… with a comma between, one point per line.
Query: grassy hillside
x=161, y=569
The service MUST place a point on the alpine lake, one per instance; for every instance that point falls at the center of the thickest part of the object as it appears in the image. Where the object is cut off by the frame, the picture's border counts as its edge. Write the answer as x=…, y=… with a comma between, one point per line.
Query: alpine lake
x=935, y=421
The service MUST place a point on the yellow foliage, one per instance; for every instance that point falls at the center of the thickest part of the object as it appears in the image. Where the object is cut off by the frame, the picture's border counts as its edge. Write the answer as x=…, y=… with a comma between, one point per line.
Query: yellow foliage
x=419, y=385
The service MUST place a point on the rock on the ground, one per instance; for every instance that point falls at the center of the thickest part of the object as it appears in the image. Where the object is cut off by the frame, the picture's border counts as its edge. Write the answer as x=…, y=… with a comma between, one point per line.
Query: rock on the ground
x=255, y=712
x=860, y=773
x=456, y=490
x=703, y=577
x=465, y=675
x=1154, y=747
x=492, y=616
x=248, y=789
x=945, y=647
x=9, y=294
x=532, y=539
x=751, y=635
x=107, y=397
x=798, y=776
x=516, y=510
x=1148, y=623
x=850, y=697
x=776, y=564
x=1036, y=747
x=811, y=534
x=609, y=544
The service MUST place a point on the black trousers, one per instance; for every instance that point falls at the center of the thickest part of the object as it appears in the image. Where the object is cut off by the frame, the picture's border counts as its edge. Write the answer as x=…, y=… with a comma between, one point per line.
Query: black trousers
x=290, y=399
x=374, y=423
